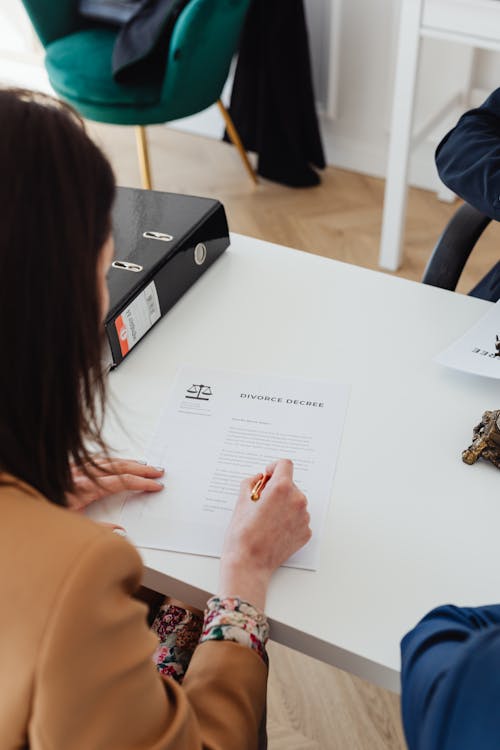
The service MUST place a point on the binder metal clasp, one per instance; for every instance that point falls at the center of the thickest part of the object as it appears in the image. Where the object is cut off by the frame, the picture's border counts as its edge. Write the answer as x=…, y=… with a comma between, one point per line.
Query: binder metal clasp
x=158, y=236
x=124, y=265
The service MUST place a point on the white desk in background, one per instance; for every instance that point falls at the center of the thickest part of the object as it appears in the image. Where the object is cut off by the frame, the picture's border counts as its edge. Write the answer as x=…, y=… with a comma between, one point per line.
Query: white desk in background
x=410, y=526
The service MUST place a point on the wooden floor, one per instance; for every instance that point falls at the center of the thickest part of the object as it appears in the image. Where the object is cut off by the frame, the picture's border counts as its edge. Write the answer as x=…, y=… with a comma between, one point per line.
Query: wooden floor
x=312, y=706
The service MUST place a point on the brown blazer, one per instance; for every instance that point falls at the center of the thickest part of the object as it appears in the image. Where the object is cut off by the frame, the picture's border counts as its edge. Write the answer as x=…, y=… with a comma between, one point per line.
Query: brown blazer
x=75, y=650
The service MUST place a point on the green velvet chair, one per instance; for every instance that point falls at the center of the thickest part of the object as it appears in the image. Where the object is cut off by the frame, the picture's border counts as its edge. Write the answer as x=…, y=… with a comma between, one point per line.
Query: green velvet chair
x=78, y=61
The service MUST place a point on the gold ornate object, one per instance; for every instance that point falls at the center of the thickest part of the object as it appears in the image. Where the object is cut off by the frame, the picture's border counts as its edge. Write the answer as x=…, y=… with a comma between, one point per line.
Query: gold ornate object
x=485, y=440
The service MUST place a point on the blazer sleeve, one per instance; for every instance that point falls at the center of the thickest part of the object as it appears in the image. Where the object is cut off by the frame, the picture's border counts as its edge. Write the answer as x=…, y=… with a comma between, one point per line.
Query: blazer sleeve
x=97, y=687
x=451, y=680
x=468, y=157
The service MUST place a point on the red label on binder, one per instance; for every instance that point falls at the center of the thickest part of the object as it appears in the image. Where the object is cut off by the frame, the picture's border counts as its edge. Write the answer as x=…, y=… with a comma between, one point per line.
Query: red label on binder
x=121, y=330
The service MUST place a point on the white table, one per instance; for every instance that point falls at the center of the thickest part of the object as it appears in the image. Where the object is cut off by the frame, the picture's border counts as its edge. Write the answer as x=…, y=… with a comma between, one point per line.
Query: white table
x=410, y=526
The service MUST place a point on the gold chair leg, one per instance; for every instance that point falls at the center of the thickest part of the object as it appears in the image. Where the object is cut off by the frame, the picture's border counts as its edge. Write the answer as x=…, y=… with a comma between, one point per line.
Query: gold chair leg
x=236, y=141
x=142, y=152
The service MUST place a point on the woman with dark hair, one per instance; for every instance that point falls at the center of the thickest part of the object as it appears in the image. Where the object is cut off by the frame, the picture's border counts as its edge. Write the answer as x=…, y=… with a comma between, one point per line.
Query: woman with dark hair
x=79, y=667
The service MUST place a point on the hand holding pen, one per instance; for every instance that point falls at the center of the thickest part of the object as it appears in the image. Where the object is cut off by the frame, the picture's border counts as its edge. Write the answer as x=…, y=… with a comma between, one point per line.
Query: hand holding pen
x=262, y=535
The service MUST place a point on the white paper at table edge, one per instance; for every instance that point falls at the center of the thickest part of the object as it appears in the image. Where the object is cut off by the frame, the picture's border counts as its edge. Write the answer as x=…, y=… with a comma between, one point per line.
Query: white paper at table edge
x=441, y=357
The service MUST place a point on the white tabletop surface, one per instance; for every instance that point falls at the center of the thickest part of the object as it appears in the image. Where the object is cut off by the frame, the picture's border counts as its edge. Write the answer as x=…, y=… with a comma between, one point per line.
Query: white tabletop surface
x=410, y=526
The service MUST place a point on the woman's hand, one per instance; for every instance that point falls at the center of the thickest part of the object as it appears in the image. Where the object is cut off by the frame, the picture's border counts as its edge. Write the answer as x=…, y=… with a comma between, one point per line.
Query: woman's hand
x=263, y=534
x=111, y=476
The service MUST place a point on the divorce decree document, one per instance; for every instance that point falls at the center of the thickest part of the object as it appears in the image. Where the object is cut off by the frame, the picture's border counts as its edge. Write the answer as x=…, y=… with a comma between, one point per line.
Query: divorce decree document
x=220, y=427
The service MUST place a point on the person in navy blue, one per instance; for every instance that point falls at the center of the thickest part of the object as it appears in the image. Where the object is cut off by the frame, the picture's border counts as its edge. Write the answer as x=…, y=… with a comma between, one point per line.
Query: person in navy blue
x=468, y=162
x=450, y=680
x=450, y=662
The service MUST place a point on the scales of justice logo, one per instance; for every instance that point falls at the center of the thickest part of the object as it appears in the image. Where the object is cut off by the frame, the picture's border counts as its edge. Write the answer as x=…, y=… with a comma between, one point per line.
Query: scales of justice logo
x=199, y=392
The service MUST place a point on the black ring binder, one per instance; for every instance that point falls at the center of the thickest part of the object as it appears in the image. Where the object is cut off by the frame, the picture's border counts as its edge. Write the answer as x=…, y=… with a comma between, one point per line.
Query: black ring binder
x=162, y=235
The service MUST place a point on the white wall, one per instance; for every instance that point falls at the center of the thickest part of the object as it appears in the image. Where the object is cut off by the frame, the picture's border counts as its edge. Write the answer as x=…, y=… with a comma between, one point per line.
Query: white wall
x=21, y=54
x=487, y=73
x=318, y=13
x=366, y=41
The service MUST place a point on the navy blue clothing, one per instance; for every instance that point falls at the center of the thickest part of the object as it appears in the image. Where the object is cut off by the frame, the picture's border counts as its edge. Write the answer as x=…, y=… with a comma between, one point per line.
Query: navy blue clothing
x=468, y=162
x=489, y=286
x=451, y=680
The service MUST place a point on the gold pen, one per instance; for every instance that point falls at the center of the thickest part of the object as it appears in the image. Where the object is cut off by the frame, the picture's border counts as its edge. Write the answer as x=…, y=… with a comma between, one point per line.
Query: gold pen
x=259, y=486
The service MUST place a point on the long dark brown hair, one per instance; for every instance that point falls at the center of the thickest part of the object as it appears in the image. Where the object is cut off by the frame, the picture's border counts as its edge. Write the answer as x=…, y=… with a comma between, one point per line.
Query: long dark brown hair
x=56, y=194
